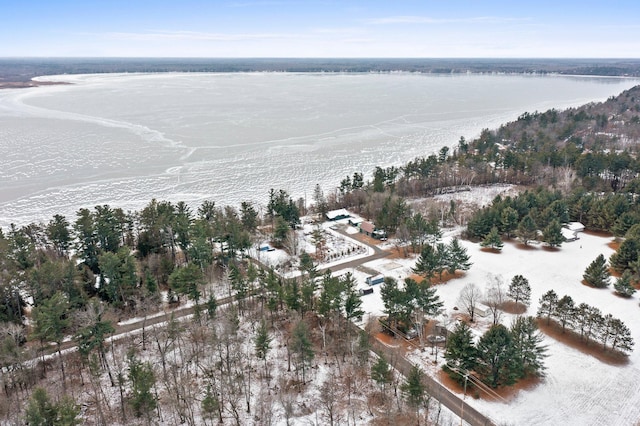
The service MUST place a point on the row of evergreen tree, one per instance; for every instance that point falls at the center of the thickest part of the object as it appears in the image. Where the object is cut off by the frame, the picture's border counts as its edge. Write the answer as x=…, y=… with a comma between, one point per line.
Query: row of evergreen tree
x=587, y=321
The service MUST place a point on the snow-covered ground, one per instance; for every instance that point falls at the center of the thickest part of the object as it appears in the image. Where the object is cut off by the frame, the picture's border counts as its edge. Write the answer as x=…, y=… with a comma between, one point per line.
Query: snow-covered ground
x=338, y=248
x=479, y=196
x=578, y=389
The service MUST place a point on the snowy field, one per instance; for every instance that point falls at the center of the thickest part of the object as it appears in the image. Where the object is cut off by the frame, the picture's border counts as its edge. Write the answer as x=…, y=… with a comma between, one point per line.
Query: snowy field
x=578, y=389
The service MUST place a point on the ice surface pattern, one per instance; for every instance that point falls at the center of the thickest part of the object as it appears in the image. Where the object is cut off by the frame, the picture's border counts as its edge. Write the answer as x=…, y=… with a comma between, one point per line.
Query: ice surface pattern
x=122, y=139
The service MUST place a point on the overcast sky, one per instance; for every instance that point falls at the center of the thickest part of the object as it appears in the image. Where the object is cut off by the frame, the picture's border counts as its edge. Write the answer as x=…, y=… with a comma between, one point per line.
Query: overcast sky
x=316, y=28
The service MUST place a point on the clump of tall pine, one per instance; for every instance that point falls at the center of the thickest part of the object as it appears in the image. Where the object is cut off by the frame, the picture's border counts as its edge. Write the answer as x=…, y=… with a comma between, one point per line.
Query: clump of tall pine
x=501, y=356
x=597, y=273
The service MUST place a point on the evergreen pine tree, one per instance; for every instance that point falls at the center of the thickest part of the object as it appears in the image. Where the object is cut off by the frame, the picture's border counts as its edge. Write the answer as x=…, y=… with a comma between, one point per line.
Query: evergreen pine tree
x=364, y=347
x=51, y=322
x=67, y=412
x=552, y=234
x=262, y=342
x=597, y=273
x=212, y=306
x=302, y=347
x=603, y=330
x=565, y=312
x=420, y=301
x=280, y=231
x=627, y=254
x=623, y=285
x=458, y=258
x=495, y=357
x=210, y=404
x=381, y=372
x=620, y=336
x=624, y=222
x=548, y=303
x=443, y=259
x=187, y=281
x=527, y=230
x=509, y=220
x=414, y=389
x=492, y=240
x=427, y=263
x=143, y=400
x=352, y=304
x=308, y=266
x=529, y=351
x=587, y=320
x=41, y=411
x=424, y=297
x=292, y=296
x=460, y=352
x=520, y=290
x=560, y=211
x=394, y=301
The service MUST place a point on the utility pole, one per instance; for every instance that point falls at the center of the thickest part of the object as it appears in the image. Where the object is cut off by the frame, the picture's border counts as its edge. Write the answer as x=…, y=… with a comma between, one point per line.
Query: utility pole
x=466, y=376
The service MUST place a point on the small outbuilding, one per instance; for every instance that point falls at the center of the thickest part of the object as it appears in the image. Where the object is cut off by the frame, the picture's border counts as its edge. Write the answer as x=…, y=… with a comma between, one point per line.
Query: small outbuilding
x=367, y=228
x=575, y=226
x=370, y=230
x=481, y=310
x=365, y=291
x=569, y=235
x=571, y=229
x=375, y=279
x=355, y=221
x=339, y=214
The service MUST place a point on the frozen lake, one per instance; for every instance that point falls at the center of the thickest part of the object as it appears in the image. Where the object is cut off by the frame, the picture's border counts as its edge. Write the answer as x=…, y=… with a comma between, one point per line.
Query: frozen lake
x=122, y=139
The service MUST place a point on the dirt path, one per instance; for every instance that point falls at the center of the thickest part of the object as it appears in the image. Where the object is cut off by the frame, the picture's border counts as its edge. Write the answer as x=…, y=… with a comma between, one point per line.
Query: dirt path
x=378, y=253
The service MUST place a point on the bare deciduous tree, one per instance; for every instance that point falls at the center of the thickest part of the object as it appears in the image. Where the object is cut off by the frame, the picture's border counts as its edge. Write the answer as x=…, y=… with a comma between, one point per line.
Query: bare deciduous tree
x=495, y=296
x=329, y=400
x=469, y=299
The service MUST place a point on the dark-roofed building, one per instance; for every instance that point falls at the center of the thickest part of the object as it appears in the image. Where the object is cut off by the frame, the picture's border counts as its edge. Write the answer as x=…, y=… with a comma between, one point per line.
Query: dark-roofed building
x=338, y=214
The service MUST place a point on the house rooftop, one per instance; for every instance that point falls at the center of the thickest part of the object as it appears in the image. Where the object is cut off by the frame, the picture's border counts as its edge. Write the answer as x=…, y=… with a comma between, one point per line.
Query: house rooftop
x=338, y=214
x=575, y=226
x=367, y=227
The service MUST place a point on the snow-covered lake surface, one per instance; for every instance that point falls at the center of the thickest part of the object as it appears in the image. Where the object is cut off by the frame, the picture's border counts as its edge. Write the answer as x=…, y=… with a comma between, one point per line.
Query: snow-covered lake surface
x=122, y=139
x=578, y=389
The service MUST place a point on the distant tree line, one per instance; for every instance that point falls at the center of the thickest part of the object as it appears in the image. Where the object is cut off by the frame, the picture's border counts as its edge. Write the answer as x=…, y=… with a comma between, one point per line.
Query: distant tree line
x=22, y=69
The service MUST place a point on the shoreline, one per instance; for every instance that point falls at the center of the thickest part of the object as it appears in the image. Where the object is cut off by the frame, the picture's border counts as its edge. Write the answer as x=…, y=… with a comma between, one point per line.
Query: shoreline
x=16, y=73
x=35, y=82
x=28, y=84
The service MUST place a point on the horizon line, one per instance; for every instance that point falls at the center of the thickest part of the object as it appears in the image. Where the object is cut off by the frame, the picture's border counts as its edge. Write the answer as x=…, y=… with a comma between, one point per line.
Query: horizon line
x=334, y=57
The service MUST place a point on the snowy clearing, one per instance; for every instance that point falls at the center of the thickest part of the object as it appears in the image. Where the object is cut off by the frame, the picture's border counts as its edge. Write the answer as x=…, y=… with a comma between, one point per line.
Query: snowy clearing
x=578, y=389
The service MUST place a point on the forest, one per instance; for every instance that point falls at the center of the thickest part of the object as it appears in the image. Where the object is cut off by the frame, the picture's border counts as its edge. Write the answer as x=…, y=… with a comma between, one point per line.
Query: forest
x=70, y=281
x=24, y=69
